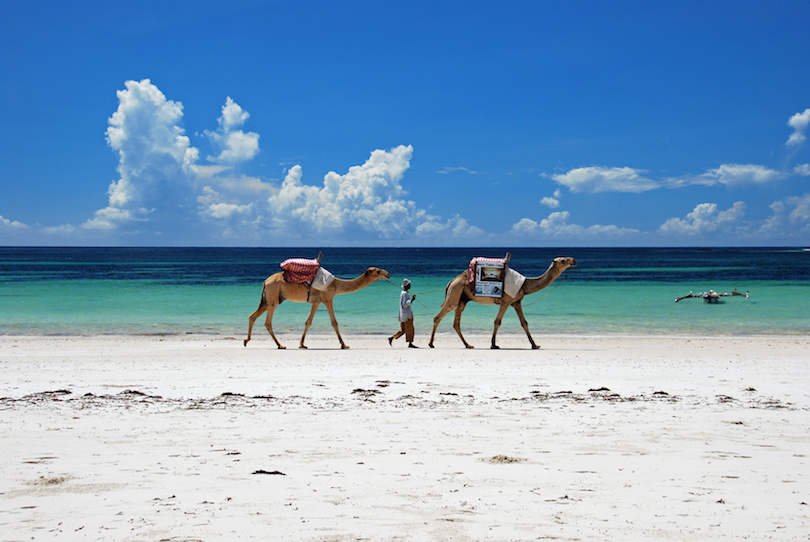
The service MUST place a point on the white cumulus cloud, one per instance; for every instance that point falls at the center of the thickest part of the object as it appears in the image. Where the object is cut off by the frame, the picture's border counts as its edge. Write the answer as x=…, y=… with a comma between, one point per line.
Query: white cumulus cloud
x=732, y=176
x=800, y=215
x=802, y=169
x=705, y=218
x=556, y=226
x=110, y=218
x=156, y=160
x=799, y=123
x=743, y=174
x=11, y=225
x=367, y=196
x=212, y=205
x=791, y=217
x=597, y=179
x=236, y=145
x=552, y=202
x=368, y=199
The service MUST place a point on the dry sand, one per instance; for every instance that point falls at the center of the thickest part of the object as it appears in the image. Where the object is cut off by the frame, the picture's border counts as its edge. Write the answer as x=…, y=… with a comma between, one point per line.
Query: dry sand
x=589, y=438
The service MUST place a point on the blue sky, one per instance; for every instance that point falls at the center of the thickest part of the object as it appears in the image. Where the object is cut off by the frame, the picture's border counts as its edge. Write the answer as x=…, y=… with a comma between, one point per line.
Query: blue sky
x=476, y=123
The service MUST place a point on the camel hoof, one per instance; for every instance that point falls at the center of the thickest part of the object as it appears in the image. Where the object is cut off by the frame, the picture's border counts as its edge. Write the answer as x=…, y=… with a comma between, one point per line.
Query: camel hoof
x=430, y=345
x=344, y=347
x=535, y=347
x=495, y=347
x=468, y=346
x=245, y=343
x=302, y=347
x=282, y=347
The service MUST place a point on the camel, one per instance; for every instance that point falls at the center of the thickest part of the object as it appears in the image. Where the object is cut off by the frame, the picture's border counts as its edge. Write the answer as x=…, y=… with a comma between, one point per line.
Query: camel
x=276, y=290
x=459, y=292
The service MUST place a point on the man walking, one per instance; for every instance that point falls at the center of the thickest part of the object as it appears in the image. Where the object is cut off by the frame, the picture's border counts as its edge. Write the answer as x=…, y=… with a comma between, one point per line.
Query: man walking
x=405, y=316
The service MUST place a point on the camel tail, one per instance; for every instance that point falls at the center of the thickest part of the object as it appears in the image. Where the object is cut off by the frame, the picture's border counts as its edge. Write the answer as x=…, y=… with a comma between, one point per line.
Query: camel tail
x=446, y=288
x=258, y=312
x=263, y=303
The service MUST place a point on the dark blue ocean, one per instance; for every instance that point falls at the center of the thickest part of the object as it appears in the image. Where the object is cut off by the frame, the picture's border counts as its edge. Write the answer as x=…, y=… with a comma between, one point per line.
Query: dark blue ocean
x=213, y=290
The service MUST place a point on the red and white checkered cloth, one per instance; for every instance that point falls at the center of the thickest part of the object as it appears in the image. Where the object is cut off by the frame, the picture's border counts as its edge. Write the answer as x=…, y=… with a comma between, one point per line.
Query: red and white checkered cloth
x=299, y=270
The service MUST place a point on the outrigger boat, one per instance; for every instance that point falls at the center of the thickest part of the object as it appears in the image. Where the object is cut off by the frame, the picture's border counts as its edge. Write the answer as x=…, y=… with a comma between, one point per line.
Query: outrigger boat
x=713, y=297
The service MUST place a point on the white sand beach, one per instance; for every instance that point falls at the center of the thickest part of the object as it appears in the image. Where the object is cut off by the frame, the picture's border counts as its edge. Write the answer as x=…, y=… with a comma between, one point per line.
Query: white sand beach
x=183, y=438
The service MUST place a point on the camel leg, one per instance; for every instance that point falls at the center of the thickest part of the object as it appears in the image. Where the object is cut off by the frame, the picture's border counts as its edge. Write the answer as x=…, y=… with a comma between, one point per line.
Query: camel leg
x=268, y=323
x=252, y=319
x=308, y=323
x=457, y=324
x=335, y=323
x=437, y=320
x=519, y=310
x=498, y=320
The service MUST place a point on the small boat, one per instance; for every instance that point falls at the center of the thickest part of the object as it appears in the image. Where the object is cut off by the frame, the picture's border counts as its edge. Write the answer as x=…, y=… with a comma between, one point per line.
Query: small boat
x=713, y=297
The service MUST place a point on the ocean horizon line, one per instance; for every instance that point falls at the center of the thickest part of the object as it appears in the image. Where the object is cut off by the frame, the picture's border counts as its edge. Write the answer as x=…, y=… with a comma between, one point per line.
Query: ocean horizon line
x=431, y=247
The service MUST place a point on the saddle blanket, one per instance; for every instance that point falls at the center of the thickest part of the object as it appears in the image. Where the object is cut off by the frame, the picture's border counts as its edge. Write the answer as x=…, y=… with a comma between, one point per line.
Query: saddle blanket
x=306, y=271
x=323, y=279
x=512, y=280
x=482, y=262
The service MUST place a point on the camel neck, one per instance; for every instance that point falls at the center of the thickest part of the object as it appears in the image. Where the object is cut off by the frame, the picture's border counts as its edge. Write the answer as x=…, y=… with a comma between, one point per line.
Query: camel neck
x=535, y=284
x=347, y=286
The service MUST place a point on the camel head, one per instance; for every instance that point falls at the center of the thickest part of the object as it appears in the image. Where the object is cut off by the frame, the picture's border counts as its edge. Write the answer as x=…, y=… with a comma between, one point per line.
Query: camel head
x=375, y=273
x=565, y=262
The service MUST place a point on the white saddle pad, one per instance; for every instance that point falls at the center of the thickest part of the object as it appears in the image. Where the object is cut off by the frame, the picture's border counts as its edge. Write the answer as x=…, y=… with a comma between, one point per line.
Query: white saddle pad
x=512, y=282
x=323, y=279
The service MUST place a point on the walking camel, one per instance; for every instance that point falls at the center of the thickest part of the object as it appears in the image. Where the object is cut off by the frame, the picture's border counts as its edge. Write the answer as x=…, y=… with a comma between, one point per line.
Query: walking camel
x=459, y=293
x=276, y=290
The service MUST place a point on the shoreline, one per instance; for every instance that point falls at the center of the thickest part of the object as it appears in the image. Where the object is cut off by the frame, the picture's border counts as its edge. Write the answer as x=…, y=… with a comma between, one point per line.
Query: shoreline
x=198, y=437
x=260, y=334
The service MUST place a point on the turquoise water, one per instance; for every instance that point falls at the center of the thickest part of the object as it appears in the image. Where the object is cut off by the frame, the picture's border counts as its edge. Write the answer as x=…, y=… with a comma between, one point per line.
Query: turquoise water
x=194, y=290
